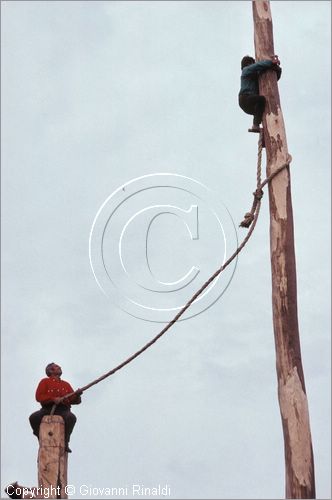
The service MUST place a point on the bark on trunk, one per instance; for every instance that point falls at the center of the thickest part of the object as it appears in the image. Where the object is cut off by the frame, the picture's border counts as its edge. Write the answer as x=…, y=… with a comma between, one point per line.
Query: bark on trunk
x=299, y=463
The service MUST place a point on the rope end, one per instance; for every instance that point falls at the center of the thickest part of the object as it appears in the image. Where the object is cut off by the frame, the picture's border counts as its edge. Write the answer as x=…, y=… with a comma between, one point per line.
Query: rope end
x=248, y=218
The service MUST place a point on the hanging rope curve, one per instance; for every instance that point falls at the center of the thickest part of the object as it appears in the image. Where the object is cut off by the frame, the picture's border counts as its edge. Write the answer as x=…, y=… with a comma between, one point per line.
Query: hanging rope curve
x=249, y=220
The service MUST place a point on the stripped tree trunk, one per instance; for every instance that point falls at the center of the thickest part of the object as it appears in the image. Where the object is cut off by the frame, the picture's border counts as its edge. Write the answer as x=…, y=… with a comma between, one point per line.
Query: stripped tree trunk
x=52, y=458
x=299, y=463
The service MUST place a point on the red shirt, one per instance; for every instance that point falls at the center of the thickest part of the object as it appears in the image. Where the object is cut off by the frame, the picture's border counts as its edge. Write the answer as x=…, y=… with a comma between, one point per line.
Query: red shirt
x=50, y=388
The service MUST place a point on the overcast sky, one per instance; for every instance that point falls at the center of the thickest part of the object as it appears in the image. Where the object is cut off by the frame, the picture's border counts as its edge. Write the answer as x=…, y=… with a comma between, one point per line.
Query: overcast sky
x=94, y=95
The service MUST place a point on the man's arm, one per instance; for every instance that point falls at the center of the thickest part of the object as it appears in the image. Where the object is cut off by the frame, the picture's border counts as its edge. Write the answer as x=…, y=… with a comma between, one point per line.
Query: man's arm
x=277, y=70
x=42, y=395
x=259, y=67
x=75, y=399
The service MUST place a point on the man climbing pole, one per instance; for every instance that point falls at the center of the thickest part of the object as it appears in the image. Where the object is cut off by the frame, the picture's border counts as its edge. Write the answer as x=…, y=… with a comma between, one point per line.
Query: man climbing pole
x=50, y=392
x=249, y=99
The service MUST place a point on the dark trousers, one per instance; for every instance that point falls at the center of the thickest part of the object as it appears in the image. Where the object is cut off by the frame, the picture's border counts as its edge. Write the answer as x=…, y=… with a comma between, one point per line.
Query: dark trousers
x=63, y=410
x=253, y=105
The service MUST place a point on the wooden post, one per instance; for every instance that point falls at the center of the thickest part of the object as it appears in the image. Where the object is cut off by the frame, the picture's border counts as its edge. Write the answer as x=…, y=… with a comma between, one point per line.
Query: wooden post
x=299, y=463
x=52, y=458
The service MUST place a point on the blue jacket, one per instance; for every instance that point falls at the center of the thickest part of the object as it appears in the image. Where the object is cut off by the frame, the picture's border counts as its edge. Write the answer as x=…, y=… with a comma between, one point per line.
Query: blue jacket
x=250, y=74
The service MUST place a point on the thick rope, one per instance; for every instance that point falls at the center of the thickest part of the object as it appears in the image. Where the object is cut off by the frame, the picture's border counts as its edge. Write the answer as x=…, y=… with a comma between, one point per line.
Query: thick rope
x=258, y=194
x=254, y=213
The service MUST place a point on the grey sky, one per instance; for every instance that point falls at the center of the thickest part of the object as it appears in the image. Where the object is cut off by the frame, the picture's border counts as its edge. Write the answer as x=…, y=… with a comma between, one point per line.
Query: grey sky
x=95, y=94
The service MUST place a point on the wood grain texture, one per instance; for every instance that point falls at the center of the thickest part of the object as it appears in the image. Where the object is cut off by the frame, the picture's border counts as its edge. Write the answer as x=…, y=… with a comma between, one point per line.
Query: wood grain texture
x=299, y=462
x=52, y=458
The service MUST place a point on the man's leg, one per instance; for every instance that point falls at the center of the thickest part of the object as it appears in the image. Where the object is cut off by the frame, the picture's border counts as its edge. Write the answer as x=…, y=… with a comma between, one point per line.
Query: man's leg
x=253, y=105
x=259, y=109
x=36, y=418
x=70, y=421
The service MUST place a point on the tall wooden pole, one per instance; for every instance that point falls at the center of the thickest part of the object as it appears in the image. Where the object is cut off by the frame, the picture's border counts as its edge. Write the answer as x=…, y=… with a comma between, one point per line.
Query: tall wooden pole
x=299, y=463
x=52, y=458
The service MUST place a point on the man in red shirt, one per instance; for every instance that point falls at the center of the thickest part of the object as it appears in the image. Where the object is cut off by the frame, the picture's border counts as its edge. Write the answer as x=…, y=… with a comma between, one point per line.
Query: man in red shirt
x=50, y=391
